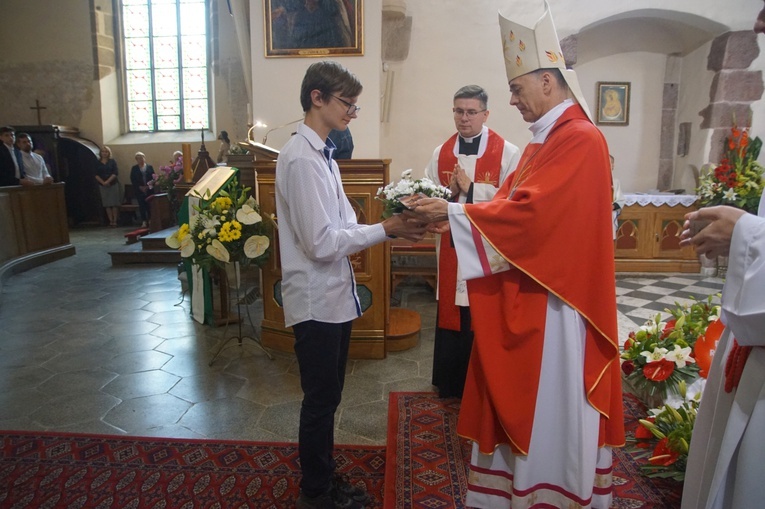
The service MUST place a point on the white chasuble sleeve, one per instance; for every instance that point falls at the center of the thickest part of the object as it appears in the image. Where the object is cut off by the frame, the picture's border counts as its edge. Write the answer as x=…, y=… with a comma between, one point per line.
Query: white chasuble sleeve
x=476, y=257
x=743, y=298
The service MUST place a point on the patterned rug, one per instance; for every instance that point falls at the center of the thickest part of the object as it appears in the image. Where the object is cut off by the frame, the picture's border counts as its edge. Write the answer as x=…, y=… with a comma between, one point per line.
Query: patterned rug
x=51, y=470
x=427, y=463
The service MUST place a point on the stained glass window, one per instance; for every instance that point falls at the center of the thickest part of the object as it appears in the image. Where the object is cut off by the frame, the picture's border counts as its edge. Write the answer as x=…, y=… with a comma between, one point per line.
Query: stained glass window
x=165, y=51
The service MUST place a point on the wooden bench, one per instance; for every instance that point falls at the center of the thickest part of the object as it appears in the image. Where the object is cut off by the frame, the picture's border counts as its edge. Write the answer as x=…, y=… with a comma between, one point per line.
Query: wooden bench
x=129, y=207
x=409, y=259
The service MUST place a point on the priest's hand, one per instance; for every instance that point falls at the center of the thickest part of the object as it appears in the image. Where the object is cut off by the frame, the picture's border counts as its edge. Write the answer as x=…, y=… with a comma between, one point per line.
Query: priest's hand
x=442, y=227
x=461, y=178
x=714, y=239
x=399, y=226
x=429, y=210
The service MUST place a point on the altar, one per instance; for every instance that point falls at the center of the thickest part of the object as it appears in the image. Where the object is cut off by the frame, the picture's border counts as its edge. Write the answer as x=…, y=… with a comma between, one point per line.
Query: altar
x=648, y=234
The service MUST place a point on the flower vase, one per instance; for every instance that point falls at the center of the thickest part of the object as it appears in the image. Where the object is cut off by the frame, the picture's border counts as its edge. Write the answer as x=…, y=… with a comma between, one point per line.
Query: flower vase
x=708, y=265
x=650, y=400
x=722, y=266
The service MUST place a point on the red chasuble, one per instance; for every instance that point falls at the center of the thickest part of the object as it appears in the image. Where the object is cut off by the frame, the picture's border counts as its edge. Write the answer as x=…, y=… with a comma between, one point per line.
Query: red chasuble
x=551, y=220
x=487, y=170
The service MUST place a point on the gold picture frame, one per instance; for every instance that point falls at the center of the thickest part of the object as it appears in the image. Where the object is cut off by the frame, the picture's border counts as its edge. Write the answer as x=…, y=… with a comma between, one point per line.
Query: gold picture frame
x=313, y=28
x=613, y=103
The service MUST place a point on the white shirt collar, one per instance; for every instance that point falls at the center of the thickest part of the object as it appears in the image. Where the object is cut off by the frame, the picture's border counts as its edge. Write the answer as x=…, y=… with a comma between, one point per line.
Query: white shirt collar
x=541, y=128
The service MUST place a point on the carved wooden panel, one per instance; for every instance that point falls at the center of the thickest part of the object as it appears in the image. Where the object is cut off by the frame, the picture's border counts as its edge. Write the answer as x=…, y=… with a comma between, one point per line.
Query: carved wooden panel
x=361, y=179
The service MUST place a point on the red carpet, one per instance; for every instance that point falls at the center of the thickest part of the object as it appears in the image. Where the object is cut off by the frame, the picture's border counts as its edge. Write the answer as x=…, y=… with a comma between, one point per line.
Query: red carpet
x=427, y=464
x=52, y=470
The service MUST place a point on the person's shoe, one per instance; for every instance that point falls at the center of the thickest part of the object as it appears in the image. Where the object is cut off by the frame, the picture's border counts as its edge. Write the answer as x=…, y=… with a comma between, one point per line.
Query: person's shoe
x=324, y=501
x=343, y=502
x=341, y=488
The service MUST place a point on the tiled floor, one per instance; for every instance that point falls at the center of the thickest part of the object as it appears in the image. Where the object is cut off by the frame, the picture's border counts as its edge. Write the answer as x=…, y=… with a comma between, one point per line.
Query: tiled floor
x=87, y=347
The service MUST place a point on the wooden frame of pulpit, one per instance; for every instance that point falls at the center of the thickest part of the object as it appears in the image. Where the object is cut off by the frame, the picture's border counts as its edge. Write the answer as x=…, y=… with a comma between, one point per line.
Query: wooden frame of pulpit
x=361, y=180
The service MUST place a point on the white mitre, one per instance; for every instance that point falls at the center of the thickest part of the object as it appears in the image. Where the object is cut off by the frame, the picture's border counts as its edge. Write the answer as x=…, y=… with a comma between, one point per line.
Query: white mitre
x=528, y=49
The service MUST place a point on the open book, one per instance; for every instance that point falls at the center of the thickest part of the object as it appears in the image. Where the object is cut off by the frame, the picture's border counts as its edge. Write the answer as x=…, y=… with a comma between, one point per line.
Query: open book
x=211, y=182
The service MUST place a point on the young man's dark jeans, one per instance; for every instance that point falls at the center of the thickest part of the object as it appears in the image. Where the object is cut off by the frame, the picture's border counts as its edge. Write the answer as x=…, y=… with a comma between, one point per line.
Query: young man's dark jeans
x=322, y=352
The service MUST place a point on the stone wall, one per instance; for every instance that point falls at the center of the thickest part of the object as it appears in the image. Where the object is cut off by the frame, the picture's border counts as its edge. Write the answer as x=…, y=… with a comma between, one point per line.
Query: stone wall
x=64, y=88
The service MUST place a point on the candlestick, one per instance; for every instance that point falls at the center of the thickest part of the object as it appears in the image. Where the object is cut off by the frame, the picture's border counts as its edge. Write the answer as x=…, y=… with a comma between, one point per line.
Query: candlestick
x=186, y=162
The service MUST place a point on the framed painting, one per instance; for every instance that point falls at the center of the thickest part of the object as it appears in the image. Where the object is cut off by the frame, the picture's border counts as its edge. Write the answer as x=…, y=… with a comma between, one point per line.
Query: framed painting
x=613, y=103
x=313, y=28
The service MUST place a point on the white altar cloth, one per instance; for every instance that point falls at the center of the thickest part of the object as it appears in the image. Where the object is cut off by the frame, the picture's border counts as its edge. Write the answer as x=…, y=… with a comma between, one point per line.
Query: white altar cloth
x=686, y=200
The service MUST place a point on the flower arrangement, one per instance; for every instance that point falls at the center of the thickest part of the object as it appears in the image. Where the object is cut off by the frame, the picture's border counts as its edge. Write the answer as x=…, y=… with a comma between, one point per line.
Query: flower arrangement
x=226, y=229
x=666, y=435
x=659, y=356
x=391, y=193
x=738, y=179
x=164, y=181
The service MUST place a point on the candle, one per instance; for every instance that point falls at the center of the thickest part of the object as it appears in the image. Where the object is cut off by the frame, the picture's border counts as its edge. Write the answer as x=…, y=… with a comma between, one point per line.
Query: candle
x=186, y=162
x=249, y=114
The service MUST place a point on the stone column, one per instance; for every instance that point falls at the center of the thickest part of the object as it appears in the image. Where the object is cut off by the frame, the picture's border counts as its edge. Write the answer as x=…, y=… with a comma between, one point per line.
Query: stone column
x=734, y=87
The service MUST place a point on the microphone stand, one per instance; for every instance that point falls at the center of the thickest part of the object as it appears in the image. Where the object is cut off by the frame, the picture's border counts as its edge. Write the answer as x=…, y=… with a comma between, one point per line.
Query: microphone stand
x=265, y=138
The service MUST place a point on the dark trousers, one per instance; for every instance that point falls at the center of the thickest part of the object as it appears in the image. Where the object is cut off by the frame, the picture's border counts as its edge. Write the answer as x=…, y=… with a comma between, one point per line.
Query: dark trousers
x=322, y=353
x=451, y=357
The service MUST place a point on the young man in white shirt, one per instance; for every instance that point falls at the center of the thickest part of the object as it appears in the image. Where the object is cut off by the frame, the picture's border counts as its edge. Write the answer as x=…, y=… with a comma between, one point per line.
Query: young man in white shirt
x=34, y=165
x=317, y=233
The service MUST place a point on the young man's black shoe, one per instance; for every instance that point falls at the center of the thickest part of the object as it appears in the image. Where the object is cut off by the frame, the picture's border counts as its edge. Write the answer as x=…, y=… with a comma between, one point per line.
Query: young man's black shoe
x=340, y=485
x=324, y=501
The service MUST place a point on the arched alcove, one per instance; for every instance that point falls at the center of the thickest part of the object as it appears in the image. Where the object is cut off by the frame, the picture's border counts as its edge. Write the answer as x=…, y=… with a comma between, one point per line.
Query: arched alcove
x=704, y=84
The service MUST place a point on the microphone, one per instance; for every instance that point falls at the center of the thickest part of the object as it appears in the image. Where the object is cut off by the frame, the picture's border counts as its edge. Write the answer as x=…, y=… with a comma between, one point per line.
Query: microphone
x=265, y=138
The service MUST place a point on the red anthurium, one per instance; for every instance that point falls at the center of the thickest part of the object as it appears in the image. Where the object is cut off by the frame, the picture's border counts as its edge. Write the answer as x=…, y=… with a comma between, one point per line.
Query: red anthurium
x=704, y=346
x=662, y=454
x=668, y=328
x=658, y=371
x=643, y=433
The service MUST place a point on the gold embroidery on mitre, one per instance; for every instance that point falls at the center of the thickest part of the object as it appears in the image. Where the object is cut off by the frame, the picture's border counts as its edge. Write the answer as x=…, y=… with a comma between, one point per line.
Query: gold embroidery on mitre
x=562, y=58
x=518, y=61
x=511, y=35
x=552, y=57
x=521, y=46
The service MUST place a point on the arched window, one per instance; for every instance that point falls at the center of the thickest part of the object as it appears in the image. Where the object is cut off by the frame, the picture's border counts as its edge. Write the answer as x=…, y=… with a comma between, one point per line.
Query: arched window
x=165, y=59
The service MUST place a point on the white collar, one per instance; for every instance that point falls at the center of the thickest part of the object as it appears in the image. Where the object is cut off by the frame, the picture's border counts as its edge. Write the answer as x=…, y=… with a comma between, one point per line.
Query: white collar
x=484, y=130
x=541, y=128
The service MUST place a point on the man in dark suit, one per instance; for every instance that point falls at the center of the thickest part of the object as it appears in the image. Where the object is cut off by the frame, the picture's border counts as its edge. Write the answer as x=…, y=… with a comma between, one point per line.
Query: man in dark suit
x=11, y=172
x=140, y=176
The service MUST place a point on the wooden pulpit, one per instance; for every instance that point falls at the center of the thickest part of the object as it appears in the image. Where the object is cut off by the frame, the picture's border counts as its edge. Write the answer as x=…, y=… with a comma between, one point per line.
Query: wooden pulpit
x=361, y=180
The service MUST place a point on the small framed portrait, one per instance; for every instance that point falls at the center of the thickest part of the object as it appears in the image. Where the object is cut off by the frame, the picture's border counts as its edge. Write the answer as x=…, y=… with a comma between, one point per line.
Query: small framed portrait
x=613, y=103
x=313, y=28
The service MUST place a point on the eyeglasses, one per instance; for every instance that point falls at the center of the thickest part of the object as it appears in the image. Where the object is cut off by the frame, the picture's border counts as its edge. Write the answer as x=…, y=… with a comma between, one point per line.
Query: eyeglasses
x=352, y=108
x=458, y=112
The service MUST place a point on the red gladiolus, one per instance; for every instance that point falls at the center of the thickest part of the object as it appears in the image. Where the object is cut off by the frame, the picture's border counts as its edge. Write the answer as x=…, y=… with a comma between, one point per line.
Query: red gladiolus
x=658, y=371
x=628, y=367
x=662, y=454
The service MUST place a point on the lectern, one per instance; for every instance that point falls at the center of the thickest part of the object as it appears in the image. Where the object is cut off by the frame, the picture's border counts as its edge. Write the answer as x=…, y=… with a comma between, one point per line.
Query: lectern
x=361, y=180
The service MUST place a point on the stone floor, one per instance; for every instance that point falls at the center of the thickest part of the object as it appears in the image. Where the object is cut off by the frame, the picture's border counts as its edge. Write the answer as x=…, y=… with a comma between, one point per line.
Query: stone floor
x=87, y=347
